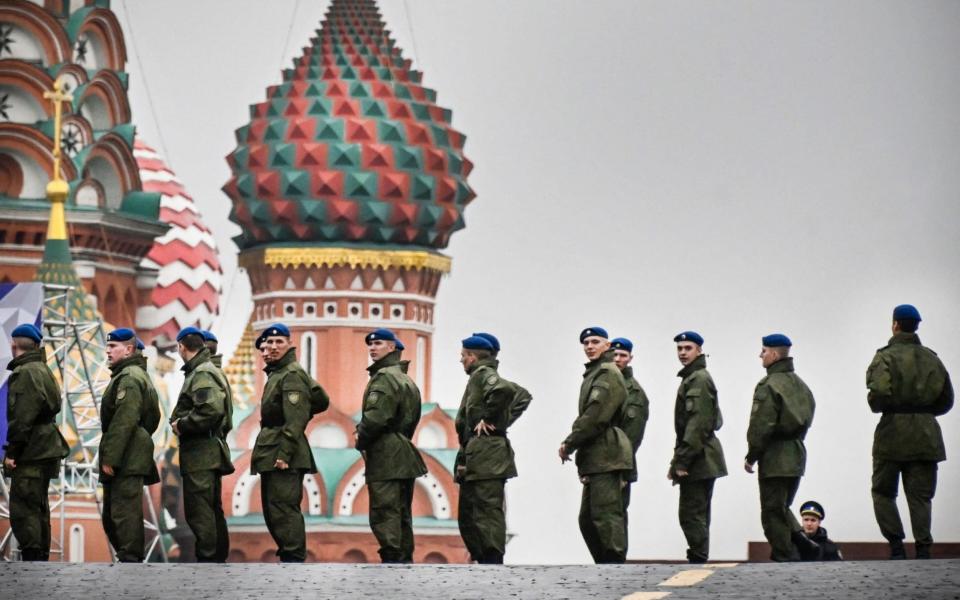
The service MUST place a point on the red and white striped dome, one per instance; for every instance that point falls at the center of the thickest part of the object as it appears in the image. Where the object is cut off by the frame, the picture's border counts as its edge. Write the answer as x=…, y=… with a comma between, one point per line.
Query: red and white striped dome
x=188, y=287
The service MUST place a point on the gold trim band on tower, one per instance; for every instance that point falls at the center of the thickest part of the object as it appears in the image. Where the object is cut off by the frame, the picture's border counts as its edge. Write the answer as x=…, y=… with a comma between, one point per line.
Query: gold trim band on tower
x=352, y=257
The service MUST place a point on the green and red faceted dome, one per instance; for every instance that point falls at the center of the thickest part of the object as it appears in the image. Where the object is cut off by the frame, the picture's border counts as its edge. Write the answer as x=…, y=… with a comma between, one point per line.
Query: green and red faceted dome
x=349, y=148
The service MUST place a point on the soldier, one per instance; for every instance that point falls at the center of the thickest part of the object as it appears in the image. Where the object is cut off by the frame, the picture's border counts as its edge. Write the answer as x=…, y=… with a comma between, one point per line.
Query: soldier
x=391, y=412
x=697, y=456
x=211, y=342
x=782, y=413
x=485, y=460
x=812, y=514
x=34, y=445
x=635, y=414
x=130, y=414
x=604, y=454
x=281, y=454
x=201, y=419
x=910, y=386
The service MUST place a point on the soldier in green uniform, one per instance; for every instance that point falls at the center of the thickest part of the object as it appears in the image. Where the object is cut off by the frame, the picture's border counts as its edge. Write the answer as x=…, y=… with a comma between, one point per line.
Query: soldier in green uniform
x=129, y=414
x=34, y=445
x=782, y=413
x=390, y=414
x=202, y=419
x=697, y=456
x=910, y=387
x=636, y=412
x=604, y=453
x=212, y=344
x=281, y=454
x=485, y=460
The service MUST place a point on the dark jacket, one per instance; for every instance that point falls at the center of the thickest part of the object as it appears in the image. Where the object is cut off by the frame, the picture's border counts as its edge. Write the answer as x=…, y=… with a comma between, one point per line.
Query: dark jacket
x=284, y=414
x=828, y=549
x=696, y=417
x=782, y=412
x=487, y=397
x=129, y=415
x=636, y=412
x=203, y=414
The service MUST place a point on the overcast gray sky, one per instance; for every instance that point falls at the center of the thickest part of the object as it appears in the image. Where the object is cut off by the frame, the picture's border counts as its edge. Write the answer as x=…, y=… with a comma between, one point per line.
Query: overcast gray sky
x=736, y=168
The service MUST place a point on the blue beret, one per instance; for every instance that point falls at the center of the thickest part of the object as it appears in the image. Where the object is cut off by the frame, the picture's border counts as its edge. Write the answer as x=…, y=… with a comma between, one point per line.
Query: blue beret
x=476, y=342
x=381, y=334
x=490, y=338
x=121, y=335
x=28, y=330
x=189, y=331
x=259, y=341
x=208, y=336
x=140, y=344
x=689, y=336
x=400, y=345
x=776, y=339
x=813, y=508
x=622, y=344
x=593, y=331
x=906, y=312
x=276, y=329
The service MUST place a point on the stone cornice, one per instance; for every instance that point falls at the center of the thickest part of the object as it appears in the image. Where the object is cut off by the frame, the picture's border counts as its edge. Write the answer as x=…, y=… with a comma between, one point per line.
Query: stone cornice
x=279, y=257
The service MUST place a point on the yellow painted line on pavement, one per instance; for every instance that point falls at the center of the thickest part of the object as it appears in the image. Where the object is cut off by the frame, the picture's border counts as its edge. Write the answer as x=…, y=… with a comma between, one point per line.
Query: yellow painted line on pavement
x=721, y=565
x=646, y=596
x=687, y=577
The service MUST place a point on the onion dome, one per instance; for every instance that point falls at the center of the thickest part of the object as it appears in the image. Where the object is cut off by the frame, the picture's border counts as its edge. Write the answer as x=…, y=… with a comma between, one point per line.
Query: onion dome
x=350, y=147
x=190, y=277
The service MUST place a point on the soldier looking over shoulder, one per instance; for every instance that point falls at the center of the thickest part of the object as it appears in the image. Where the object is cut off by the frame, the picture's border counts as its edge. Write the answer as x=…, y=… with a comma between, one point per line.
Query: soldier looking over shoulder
x=34, y=445
x=909, y=385
x=782, y=413
x=129, y=414
x=697, y=456
x=391, y=412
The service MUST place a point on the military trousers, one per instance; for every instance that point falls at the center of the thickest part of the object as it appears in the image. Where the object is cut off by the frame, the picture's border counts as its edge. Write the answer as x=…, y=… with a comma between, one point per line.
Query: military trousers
x=281, y=493
x=694, y=514
x=919, y=485
x=123, y=516
x=203, y=509
x=602, y=523
x=779, y=524
x=30, y=515
x=391, y=518
x=626, y=516
x=483, y=525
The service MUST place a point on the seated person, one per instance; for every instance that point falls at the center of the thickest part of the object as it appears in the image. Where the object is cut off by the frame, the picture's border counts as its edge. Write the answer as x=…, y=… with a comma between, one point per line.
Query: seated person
x=812, y=514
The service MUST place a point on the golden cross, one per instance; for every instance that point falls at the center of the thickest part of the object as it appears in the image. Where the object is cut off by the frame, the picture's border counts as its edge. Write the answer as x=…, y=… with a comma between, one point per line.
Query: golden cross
x=58, y=97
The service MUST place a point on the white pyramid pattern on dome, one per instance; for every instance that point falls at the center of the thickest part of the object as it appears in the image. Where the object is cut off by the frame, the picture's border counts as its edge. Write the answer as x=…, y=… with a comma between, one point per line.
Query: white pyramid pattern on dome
x=191, y=279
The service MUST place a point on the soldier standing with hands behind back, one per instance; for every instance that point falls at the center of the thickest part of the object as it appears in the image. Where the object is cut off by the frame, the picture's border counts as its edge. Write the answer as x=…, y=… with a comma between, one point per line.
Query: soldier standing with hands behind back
x=34, y=445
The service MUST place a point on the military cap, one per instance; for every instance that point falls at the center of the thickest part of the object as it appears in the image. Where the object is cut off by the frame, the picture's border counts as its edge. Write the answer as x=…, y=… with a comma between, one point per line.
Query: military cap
x=476, y=342
x=208, y=335
x=776, y=339
x=259, y=341
x=400, y=345
x=689, y=336
x=189, y=331
x=123, y=334
x=381, y=334
x=622, y=344
x=812, y=507
x=593, y=331
x=28, y=330
x=906, y=312
x=276, y=329
x=140, y=344
x=490, y=338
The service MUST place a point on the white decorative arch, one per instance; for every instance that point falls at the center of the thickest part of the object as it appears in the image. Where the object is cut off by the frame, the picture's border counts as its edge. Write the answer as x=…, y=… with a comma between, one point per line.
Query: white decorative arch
x=439, y=501
x=20, y=106
x=243, y=492
x=432, y=436
x=328, y=435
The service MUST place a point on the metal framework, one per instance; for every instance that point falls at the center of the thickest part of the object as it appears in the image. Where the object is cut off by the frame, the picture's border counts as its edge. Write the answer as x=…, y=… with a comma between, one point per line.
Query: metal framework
x=76, y=350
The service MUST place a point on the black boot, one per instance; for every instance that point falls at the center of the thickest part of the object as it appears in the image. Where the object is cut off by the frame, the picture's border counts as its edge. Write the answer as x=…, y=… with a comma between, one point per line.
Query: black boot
x=897, y=551
x=808, y=549
x=923, y=551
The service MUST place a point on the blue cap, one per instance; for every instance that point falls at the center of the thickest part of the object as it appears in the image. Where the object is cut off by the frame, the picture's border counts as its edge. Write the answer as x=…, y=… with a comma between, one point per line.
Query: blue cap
x=381, y=334
x=776, y=339
x=812, y=507
x=123, y=334
x=689, y=336
x=593, y=331
x=276, y=329
x=28, y=330
x=490, y=338
x=189, y=331
x=259, y=341
x=906, y=312
x=208, y=336
x=140, y=345
x=476, y=342
x=622, y=344
x=400, y=345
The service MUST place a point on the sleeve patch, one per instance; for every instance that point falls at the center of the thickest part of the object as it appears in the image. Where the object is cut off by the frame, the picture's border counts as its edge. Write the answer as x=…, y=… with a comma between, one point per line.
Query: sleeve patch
x=373, y=398
x=292, y=397
x=122, y=394
x=492, y=380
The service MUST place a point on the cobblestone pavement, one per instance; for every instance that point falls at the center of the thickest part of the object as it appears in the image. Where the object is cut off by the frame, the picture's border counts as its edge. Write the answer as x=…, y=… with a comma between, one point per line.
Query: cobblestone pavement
x=881, y=580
